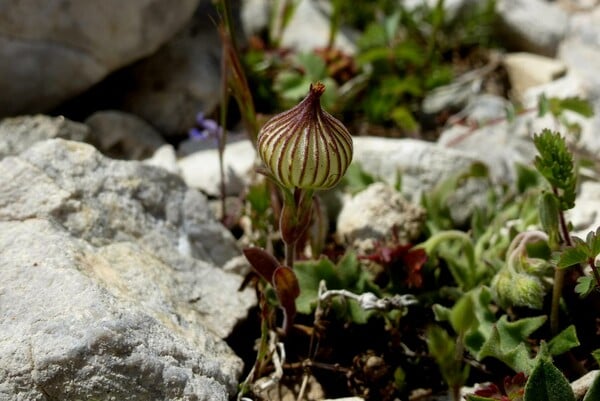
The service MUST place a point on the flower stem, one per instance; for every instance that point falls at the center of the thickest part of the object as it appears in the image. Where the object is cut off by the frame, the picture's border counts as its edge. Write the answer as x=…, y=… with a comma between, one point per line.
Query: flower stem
x=290, y=251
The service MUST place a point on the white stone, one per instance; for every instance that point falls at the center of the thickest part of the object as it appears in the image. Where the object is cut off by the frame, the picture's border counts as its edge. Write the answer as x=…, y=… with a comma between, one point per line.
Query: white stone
x=201, y=169
x=164, y=157
x=526, y=70
x=378, y=213
x=308, y=28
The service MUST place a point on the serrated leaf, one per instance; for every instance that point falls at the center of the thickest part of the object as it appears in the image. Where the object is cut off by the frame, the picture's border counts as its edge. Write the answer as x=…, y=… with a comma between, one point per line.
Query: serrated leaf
x=555, y=163
x=547, y=383
x=585, y=285
x=563, y=341
x=572, y=256
x=593, y=242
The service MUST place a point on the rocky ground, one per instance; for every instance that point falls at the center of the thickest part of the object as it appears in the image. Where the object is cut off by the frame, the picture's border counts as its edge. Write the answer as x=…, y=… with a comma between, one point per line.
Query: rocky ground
x=118, y=281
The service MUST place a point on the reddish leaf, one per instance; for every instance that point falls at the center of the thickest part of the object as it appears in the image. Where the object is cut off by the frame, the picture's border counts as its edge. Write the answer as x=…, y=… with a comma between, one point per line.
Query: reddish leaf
x=414, y=261
x=262, y=262
x=287, y=289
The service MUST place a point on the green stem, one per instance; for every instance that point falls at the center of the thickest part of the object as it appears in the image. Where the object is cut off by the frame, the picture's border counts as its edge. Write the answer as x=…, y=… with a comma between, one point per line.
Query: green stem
x=559, y=277
x=433, y=242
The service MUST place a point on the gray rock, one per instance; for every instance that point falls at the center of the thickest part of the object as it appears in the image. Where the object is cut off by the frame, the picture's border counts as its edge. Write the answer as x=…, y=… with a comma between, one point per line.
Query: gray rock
x=585, y=26
x=534, y=26
x=54, y=50
x=19, y=133
x=379, y=213
x=123, y=136
x=420, y=164
x=500, y=146
x=182, y=78
x=583, y=60
x=110, y=290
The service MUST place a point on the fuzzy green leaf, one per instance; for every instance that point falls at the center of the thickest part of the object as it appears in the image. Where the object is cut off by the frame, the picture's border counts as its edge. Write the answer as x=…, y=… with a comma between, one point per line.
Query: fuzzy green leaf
x=547, y=383
x=563, y=341
x=507, y=342
x=593, y=393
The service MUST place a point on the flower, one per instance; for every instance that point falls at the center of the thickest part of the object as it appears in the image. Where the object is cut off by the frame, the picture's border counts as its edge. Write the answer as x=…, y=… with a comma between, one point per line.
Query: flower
x=306, y=147
x=205, y=128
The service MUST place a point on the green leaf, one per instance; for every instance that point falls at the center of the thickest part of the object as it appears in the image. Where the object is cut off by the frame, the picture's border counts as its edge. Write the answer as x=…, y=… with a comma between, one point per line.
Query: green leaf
x=596, y=355
x=555, y=163
x=310, y=274
x=593, y=393
x=543, y=105
x=585, y=285
x=593, y=242
x=258, y=197
x=462, y=315
x=349, y=270
x=404, y=119
x=574, y=104
x=572, y=256
x=549, y=212
x=563, y=341
x=547, y=383
x=357, y=179
x=314, y=66
x=507, y=342
x=526, y=177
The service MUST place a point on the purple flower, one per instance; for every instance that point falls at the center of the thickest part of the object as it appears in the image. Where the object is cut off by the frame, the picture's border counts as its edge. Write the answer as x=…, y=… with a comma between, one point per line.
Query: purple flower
x=205, y=128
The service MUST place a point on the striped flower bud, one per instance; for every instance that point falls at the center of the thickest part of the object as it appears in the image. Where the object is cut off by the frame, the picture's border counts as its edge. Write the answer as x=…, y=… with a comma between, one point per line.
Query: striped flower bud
x=306, y=147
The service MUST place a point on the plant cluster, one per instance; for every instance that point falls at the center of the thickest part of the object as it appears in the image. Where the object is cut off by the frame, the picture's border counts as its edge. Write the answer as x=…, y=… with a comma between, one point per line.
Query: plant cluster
x=508, y=293
x=401, y=54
